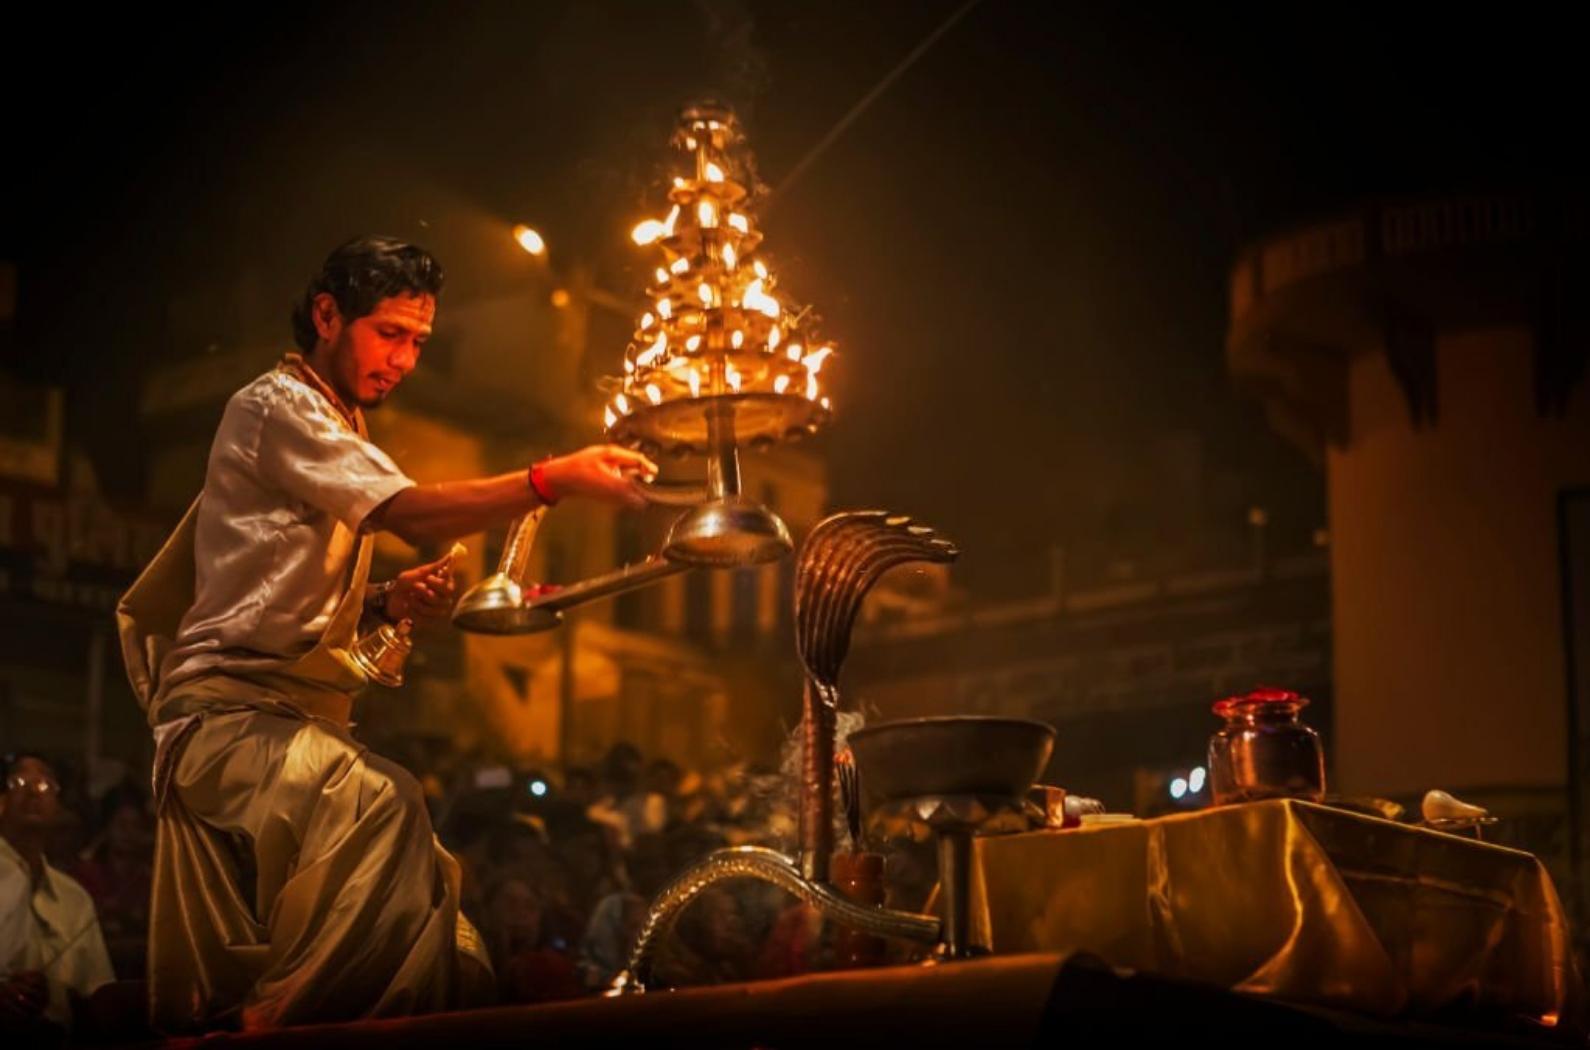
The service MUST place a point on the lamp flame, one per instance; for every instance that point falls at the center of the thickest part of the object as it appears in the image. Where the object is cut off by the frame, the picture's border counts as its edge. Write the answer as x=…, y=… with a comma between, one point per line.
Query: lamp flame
x=754, y=298
x=653, y=352
x=648, y=232
x=814, y=360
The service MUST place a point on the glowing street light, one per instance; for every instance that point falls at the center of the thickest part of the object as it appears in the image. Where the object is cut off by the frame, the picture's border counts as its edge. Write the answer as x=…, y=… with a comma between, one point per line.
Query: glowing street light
x=530, y=240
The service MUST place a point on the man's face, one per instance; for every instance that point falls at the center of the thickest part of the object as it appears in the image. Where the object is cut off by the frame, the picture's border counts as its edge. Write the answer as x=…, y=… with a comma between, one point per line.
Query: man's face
x=371, y=356
x=32, y=797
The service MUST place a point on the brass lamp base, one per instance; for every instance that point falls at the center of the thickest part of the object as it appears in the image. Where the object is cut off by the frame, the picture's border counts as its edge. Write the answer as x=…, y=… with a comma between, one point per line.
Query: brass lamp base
x=681, y=426
x=727, y=533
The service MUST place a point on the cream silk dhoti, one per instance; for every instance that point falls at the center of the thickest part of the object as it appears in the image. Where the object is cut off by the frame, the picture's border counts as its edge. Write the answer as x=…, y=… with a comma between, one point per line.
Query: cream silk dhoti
x=297, y=878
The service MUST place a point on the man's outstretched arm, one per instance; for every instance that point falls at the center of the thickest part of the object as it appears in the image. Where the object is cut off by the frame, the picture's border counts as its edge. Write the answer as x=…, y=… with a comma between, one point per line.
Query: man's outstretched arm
x=450, y=509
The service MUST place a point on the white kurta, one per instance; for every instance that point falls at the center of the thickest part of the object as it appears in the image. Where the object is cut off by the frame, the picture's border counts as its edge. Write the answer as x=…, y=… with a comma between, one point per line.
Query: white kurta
x=50, y=926
x=289, y=485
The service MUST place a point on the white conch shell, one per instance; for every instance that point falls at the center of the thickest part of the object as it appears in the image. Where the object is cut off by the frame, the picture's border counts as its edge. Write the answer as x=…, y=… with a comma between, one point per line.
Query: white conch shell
x=1440, y=806
x=1077, y=806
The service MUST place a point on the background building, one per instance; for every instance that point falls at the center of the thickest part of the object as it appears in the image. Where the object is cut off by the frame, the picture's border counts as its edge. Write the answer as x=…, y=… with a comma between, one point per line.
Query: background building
x=1430, y=353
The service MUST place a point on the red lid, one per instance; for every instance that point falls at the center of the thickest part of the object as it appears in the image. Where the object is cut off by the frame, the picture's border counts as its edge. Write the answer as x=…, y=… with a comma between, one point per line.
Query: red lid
x=1262, y=696
x=1269, y=694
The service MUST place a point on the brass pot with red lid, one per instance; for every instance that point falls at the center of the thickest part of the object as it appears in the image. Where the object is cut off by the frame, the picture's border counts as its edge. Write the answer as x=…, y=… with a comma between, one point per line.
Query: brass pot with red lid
x=1264, y=750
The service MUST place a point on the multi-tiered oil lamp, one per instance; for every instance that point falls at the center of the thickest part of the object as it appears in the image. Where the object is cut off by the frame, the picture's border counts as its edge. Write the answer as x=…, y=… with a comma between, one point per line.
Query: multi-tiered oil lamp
x=719, y=360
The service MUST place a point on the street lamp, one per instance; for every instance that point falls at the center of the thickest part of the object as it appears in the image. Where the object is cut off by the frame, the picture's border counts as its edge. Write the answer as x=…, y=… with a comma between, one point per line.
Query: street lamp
x=530, y=240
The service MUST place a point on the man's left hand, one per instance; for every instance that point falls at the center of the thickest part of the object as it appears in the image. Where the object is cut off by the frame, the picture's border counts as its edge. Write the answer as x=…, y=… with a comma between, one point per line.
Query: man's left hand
x=423, y=594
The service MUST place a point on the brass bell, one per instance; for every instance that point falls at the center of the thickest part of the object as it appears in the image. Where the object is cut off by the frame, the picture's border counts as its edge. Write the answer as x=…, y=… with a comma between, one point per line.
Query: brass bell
x=381, y=653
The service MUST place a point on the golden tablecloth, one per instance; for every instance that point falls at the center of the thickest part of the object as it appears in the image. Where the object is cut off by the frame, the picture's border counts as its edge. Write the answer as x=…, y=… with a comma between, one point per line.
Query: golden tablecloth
x=1293, y=900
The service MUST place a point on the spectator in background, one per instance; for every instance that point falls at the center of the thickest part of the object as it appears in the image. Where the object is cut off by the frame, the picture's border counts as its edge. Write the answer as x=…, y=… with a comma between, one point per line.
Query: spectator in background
x=621, y=769
x=580, y=785
x=692, y=802
x=51, y=948
x=528, y=971
x=558, y=813
x=616, y=920
x=520, y=849
x=653, y=808
x=116, y=869
x=593, y=868
x=712, y=944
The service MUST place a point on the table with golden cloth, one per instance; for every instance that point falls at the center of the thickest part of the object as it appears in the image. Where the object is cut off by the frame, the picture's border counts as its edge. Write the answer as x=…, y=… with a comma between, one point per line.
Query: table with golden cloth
x=1293, y=900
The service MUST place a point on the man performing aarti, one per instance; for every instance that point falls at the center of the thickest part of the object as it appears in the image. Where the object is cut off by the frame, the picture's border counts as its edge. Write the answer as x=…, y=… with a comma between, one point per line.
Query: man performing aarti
x=296, y=875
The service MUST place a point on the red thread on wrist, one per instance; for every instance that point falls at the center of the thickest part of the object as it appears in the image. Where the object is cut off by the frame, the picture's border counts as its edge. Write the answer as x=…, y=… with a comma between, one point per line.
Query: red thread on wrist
x=538, y=483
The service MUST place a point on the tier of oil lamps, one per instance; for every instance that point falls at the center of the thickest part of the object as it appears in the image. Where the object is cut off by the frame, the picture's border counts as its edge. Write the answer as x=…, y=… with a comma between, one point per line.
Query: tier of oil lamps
x=719, y=359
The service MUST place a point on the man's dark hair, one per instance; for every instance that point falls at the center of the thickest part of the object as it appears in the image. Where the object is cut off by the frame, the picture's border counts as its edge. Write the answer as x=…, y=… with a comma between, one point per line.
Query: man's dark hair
x=361, y=273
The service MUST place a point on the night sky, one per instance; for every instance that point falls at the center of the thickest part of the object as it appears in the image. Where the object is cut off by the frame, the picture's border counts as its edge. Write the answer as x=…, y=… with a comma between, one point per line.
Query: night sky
x=1022, y=248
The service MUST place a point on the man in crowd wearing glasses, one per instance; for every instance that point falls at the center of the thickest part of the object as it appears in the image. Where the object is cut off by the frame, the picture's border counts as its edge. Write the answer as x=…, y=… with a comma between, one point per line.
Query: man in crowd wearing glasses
x=51, y=948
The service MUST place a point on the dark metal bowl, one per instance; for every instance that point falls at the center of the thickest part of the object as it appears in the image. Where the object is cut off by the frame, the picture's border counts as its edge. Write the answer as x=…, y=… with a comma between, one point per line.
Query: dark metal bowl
x=955, y=755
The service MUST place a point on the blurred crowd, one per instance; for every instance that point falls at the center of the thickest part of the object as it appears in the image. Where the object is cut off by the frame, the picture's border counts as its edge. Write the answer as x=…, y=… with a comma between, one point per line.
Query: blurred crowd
x=559, y=866
x=559, y=872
